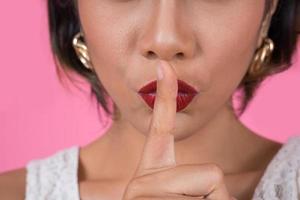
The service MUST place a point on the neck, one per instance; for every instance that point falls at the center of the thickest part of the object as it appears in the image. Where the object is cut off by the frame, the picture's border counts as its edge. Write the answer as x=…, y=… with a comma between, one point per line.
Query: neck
x=224, y=141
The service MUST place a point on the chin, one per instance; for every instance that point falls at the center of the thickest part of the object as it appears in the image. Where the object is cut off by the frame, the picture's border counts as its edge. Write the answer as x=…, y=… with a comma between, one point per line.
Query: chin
x=181, y=133
x=183, y=124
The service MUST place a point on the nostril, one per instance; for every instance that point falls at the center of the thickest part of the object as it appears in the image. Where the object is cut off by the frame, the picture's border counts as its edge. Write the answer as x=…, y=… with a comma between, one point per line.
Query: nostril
x=151, y=54
x=180, y=55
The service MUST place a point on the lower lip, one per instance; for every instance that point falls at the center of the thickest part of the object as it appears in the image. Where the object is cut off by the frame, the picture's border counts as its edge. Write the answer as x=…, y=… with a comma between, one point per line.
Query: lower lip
x=183, y=100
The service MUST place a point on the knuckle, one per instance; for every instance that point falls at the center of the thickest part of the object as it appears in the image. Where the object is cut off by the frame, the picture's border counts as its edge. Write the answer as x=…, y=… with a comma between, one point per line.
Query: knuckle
x=216, y=172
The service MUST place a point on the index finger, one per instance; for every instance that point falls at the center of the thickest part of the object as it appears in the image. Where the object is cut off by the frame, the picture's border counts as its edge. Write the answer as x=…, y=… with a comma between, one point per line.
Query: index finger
x=159, y=152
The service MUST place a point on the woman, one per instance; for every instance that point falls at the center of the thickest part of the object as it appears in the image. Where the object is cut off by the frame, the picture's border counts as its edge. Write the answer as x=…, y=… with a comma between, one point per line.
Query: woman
x=171, y=68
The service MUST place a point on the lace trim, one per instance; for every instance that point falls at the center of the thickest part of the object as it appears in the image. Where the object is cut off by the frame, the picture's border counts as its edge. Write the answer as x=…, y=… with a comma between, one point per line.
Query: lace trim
x=281, y=179
x=55, y=177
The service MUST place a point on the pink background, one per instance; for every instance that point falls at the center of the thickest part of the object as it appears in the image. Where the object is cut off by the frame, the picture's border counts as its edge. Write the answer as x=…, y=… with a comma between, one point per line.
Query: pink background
x=38, y=116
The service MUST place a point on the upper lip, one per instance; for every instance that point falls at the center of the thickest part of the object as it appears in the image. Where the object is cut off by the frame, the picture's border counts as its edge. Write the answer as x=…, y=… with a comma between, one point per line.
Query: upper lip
x=183, y=87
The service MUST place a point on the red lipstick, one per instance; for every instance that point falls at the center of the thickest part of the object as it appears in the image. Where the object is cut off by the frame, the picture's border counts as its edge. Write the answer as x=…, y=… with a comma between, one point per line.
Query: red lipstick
x=185, y=94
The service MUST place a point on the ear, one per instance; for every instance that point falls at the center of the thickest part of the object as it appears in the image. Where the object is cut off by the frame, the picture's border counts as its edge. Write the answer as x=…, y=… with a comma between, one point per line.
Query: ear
x=266, y=23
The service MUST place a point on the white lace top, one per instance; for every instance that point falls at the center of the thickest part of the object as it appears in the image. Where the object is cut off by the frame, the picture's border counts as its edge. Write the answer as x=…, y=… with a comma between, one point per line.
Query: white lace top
x=55, y=177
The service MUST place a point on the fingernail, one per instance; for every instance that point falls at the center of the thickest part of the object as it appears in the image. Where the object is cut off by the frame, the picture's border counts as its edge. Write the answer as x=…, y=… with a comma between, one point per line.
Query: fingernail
x=160, y=73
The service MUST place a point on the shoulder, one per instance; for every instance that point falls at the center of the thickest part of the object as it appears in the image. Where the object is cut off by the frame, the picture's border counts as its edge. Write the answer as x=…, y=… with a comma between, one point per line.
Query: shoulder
x=53, y=177
x=13, y=184
x=281, y=178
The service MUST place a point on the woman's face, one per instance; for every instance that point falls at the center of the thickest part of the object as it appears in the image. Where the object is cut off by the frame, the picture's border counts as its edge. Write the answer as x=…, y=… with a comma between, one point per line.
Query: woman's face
x=210, y=44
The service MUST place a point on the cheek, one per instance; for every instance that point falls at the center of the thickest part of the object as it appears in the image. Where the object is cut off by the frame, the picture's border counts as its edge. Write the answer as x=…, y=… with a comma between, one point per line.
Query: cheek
x=109, y=66
x=106, y=41
x=228, y=49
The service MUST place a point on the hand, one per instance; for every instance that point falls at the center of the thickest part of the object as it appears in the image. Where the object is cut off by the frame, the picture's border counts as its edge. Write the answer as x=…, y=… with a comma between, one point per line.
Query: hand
x=157, y=175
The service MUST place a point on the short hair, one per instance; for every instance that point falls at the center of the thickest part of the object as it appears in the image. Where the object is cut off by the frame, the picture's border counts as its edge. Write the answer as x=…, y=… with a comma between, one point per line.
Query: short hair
x=64, y=23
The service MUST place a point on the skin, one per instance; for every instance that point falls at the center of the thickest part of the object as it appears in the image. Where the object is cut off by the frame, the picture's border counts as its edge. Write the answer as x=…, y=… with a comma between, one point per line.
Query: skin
x=125, y=51
x=203, y=149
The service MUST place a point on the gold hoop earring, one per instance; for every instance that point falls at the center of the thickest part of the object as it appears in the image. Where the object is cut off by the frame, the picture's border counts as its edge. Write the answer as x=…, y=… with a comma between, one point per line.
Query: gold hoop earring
x=81, y=50
x=261, y=57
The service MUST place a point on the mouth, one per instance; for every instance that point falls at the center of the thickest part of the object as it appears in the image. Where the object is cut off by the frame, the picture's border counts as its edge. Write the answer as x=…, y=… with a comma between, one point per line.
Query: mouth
x=185, y=94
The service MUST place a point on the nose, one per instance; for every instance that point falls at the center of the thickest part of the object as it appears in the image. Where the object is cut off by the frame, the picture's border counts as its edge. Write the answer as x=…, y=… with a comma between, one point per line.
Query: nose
x=165, y=34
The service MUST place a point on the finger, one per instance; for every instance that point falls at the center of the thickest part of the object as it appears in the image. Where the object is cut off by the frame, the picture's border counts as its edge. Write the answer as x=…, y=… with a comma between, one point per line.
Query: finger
x=158, y=150
x=183, y=180
x=220, y=192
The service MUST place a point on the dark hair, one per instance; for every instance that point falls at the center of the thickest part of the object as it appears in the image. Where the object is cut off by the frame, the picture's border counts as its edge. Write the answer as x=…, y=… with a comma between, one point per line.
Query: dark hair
x=64, y=23
x=284, y=30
